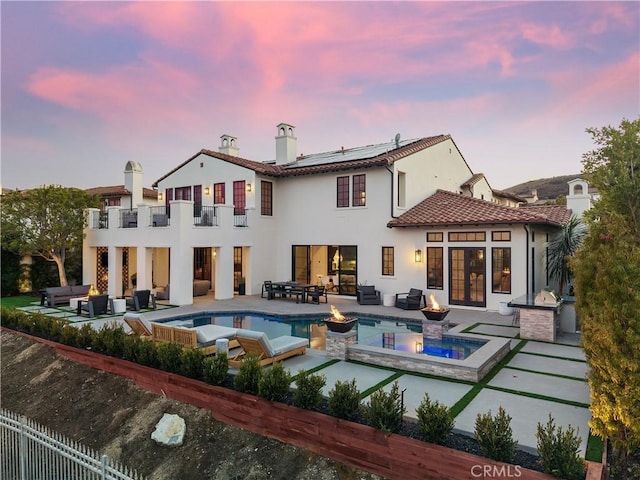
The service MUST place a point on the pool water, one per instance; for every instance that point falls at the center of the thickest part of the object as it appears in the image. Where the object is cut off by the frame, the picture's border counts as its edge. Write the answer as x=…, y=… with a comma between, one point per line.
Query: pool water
x=376, y=332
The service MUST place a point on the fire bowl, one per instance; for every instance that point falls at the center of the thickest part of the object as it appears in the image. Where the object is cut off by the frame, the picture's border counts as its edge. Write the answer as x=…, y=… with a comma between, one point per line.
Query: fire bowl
x=340, y=327
x=435, y=315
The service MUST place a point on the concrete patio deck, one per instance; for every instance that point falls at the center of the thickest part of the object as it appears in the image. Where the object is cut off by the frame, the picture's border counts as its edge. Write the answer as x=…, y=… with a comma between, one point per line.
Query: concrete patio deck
x=539, y=380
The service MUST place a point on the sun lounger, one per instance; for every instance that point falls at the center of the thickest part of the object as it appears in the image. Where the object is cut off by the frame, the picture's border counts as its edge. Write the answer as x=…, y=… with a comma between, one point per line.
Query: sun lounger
x=203, y=337
x=268, y=351
x=138, y=324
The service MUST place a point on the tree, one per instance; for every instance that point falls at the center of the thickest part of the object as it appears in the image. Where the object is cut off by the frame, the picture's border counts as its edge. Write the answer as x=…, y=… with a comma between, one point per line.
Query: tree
x=46, y=222
x=607, y=285
x=560, y=248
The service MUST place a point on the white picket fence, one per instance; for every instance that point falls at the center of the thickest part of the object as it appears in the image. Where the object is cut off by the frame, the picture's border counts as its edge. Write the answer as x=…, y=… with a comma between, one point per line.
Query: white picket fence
x=29, y=451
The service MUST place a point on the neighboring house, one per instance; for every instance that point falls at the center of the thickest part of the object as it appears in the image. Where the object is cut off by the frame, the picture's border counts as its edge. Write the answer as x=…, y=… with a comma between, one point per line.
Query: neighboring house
x=124, y=199
x=397, y=215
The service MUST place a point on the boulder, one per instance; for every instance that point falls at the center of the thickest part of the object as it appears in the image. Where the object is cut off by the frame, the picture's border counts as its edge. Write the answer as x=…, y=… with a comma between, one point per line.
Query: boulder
x=169, y=430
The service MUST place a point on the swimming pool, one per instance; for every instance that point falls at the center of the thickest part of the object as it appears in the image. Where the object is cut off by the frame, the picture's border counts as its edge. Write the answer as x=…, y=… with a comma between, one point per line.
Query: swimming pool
x=370, y=331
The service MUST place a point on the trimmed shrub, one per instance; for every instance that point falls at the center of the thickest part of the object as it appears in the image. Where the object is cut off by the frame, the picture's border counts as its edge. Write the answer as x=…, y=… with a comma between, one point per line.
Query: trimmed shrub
x=248, y=377
x=216, y=369
x=558, y=451
x=86, y=336
x=434, y=420
x=69, y=335
x=344, y=400
x=495, y=436
x=385, y=410
x=192, y=363
x=170, y=357
x=308, y=393
x=110, y=340
x=130, y=347
x=147, y=354
x=274, y=383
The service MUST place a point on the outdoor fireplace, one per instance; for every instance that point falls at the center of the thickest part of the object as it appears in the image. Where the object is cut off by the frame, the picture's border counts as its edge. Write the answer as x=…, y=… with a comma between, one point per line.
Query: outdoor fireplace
x=338, y=322
x=434, y=311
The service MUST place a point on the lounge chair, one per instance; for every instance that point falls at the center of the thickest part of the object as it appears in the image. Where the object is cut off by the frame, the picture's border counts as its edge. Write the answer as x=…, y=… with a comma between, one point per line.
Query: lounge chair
x=203, y=337
x=140, y=300
x=138, y=324
x=368, y=295
x=95, y=305
x=411, y=300
x=267, y=351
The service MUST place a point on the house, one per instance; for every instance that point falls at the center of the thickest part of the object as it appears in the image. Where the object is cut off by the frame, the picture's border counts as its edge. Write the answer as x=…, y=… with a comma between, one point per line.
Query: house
x=397, y=215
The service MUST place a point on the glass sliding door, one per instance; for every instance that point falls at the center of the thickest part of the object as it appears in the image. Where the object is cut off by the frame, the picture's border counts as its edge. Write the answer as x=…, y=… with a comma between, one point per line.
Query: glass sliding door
x=301, y=263
x=467, y=276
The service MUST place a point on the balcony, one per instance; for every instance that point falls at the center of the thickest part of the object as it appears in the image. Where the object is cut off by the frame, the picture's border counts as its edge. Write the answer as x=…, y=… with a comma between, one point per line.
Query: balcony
x=240, y=217
x=205, y=216
x=129, y=218
x=159, y=216
x=100, y=220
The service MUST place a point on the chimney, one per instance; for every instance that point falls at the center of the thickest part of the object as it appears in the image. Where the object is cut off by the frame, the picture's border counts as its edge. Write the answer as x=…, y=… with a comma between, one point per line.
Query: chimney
x=286, y=144
x=133, y=182
x=228, y=145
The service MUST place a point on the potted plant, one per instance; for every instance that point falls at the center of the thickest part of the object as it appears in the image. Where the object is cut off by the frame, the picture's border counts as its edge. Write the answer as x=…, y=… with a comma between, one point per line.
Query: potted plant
x=241, y=285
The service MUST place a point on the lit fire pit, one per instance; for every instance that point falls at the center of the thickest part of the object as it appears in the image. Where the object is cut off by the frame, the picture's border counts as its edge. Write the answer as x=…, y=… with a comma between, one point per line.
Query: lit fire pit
x=434, y=312
x=338, y=322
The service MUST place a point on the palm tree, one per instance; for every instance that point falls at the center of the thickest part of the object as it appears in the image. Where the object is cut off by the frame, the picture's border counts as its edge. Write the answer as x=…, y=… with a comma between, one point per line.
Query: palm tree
x=560, y=248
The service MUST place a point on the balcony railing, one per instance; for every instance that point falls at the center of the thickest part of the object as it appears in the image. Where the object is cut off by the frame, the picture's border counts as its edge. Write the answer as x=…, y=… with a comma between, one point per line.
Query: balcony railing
x=158, y=217
x=100, y=220
x=208, y=216
x=129, y=218
x=239, y=217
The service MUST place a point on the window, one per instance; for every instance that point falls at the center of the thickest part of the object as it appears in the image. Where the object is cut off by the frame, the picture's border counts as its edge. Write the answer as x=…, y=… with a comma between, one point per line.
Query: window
x=183, y=193
x=501, y=270
x=239, y=198
x=359, y=191
x=387, y=261
x=435, y=272
x=266, y=198
x=467, y=236
x=435, y=237
x=218, y=193
x=501, y=236
x=343, y=192
x=197, y=200
x=402, y=189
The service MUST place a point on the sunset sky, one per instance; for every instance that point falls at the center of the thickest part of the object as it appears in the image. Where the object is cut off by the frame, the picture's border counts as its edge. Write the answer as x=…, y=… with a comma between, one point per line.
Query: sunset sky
x=87, y=86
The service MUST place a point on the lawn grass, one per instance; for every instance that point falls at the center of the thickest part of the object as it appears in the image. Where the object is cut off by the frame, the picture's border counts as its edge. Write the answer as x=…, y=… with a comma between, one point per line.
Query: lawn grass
x=18, y=301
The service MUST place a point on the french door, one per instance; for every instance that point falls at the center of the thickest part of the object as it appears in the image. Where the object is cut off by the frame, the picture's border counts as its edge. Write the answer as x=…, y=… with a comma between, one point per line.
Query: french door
x=467, y=276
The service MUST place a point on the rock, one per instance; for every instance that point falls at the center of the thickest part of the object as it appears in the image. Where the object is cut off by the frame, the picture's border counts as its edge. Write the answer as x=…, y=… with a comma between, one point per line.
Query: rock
x=169, y=430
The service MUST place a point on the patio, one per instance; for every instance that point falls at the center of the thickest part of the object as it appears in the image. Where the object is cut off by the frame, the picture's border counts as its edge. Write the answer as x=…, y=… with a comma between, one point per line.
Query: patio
x=538, y=379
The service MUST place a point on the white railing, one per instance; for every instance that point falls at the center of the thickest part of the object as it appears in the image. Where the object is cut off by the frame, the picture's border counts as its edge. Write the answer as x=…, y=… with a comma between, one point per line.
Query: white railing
x=31, y=451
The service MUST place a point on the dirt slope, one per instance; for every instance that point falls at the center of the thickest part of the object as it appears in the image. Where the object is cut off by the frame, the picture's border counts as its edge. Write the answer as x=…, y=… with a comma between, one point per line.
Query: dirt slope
x=112, y=415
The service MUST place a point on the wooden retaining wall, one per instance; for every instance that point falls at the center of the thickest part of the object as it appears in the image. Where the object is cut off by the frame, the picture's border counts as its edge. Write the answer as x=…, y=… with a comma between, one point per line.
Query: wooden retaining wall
x=389, y=455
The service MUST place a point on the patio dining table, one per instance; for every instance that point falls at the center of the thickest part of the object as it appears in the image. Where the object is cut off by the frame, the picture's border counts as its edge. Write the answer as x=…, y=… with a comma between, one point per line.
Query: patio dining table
x=290, y=289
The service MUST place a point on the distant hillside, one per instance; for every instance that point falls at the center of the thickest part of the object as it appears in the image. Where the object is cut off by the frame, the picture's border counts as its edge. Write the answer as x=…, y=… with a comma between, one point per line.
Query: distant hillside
x=548, y=188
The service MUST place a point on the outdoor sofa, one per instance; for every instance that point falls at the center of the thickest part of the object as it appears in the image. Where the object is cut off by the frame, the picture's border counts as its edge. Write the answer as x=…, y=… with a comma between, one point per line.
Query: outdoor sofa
x=58, y=295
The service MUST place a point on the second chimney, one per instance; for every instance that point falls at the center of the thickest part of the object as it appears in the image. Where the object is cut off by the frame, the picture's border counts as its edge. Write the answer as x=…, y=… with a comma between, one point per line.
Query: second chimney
x=286, y=144
x=228, y=145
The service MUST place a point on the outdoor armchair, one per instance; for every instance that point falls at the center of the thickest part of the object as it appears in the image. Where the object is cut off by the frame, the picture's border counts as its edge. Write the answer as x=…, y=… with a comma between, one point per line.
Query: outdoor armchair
x=140, y=300
x=410, y=300
x=368, y=295
x=95, y=305
x=315, y=293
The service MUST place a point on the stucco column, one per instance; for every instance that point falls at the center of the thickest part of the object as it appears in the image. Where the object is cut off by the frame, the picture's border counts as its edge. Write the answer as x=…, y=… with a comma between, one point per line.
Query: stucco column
x=144, y=269
x=224, y=273
x=115, y=271
x=181, y=277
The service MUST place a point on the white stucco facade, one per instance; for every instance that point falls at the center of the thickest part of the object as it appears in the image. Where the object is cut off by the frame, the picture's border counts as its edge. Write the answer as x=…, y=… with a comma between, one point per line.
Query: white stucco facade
x=291, y=227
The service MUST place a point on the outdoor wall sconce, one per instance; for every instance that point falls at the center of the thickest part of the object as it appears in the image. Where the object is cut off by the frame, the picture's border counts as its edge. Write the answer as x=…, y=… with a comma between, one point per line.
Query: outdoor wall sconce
x=207, y=190
x=418, y=256
x=248, y=187
x=418, y=347
x=160, y=196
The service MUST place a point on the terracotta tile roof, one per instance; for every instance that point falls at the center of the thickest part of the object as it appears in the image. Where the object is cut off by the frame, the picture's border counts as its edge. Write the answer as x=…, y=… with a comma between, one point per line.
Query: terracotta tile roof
x=304, y=165
x=473, y=180
x=511, y=196
x=555, y=213
x=448, y=208
x=119, y=191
